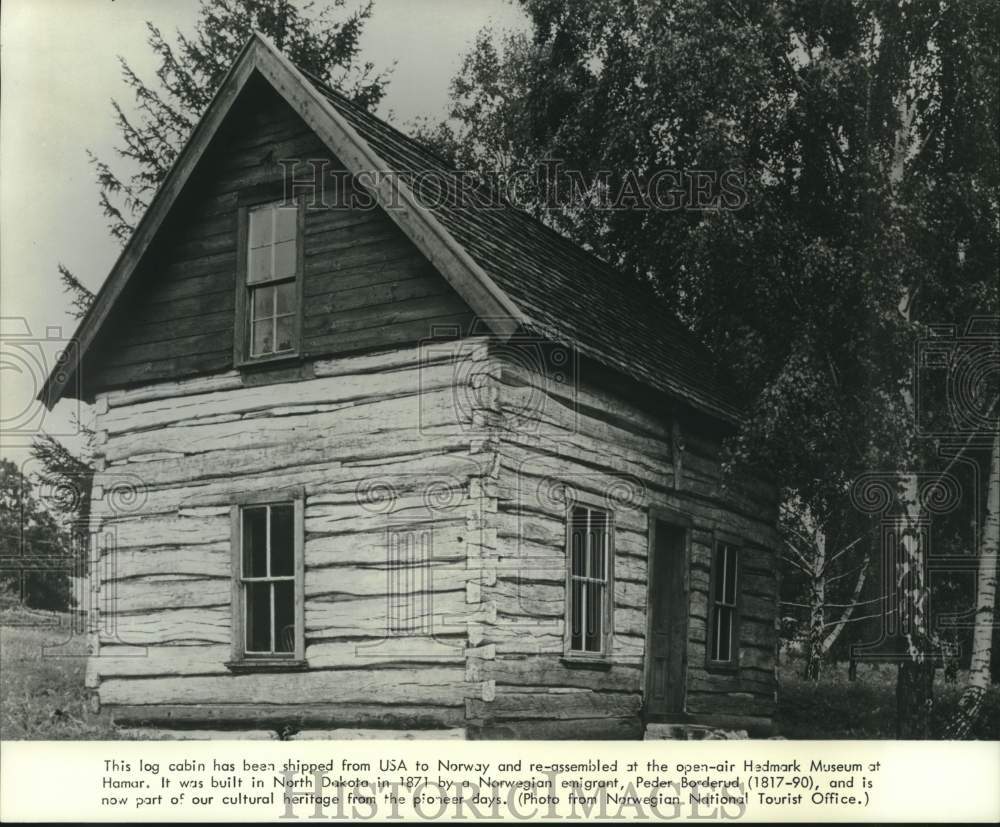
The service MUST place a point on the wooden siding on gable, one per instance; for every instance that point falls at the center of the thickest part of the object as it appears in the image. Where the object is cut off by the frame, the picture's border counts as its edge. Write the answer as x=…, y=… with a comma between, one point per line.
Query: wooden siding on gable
x=365, y=284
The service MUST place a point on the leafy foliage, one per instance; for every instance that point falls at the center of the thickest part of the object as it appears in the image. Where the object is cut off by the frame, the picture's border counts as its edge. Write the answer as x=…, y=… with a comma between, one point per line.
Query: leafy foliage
x=29, y=532
x=865, y=139
x=798, y=291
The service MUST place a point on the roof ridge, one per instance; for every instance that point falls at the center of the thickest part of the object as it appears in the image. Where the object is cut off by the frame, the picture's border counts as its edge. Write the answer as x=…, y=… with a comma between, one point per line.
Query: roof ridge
x=326, y=88
x=572, y=246
x=571, y=286
x=514, y=270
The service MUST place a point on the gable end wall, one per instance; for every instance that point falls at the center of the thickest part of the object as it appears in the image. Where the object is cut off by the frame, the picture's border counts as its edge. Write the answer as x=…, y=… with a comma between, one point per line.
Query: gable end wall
x=366, y=286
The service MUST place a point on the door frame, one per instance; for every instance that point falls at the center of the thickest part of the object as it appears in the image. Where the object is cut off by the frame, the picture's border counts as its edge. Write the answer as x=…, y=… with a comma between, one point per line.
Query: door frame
x=676, y=519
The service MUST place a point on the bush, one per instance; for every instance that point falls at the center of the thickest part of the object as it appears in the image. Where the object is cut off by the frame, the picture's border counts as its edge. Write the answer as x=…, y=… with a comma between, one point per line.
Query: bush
x=835, y=707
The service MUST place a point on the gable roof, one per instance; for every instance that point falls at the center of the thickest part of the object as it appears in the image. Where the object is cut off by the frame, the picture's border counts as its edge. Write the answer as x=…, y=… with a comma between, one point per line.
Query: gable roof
x=515, y=273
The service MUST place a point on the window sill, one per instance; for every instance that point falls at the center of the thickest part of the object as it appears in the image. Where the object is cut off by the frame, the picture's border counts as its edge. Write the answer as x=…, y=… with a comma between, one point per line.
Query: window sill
x=267, y=665
x=599, y=663
x=290, y=358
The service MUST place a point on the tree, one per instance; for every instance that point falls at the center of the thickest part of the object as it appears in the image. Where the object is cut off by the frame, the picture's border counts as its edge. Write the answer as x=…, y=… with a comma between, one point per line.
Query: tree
x=81, y=297
x=69, y=479
x=865, y=138
x=832, y=581
x=971, y=702
x=326, y=44
x=29, y=533
x=68, y=476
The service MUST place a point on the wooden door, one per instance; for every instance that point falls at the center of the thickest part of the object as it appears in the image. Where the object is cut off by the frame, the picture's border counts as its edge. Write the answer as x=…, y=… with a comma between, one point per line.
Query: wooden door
x=666, y=645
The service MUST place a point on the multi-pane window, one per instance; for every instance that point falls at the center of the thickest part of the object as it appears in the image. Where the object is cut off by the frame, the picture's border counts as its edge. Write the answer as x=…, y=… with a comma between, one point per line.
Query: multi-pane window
x=268, y=580
x=722, y=643
x=271, y=279
x=589, y=584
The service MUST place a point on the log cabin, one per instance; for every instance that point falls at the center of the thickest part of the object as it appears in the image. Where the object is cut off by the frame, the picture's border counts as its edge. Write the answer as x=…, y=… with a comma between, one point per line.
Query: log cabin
x=377, y=450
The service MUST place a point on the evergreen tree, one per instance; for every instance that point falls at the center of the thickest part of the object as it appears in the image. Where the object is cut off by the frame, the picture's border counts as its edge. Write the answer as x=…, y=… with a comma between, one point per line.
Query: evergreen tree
x=326, y=43
x=29, y=533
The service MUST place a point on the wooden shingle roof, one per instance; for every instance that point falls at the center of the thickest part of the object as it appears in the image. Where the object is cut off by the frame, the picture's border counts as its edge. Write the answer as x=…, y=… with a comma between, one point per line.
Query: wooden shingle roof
x=514, y=272
x=565, y=292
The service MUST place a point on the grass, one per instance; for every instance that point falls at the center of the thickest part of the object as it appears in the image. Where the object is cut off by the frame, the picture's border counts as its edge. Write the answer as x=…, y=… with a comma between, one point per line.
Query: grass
x=42, y=697
x=837, y=708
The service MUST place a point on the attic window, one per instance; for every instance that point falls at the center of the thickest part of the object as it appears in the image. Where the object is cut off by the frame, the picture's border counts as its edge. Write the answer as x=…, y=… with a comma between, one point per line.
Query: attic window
x=270, y=285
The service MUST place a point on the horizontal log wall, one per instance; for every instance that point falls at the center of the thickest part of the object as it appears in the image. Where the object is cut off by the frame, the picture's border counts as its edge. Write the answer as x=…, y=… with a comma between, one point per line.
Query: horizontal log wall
x=469, y=445
x=556, y=432
x=366, y=286
x=378, y=443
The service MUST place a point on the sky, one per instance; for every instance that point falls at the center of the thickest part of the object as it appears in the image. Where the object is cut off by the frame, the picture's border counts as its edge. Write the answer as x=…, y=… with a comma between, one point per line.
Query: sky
x=60, y=72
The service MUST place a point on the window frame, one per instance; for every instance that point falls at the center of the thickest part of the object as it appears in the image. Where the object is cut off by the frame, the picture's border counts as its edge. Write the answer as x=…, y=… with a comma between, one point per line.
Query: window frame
x=735, y=545
x=242, y=342
x=577, y=656
x=240, y=659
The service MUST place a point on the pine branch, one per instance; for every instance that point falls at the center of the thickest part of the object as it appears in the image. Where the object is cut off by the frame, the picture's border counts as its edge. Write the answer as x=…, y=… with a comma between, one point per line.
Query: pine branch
x=66, y=478
x=190, y=70
x=80, y=296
